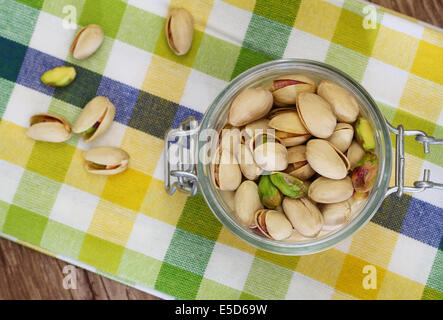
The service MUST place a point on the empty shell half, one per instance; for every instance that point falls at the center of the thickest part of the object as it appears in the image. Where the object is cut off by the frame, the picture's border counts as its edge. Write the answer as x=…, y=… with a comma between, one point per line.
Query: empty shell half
x=87, y=41
x=179, y=30
x=49, y=127
x=106, y=160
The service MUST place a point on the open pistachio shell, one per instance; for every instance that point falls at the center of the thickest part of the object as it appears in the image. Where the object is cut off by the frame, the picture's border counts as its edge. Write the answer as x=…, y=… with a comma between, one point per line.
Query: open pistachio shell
x=226, y=171
x=326, y=159
x=291, y=139
x=342, y=136
x=355, y=154
x=49, y=127
x=179, y=30
x=248, y=167
x=249, y=105
x=365, y=173
x=260, y=125
x=288, y=185
x=95, y=118
x=288, y=121
x=316, y=115
x=298, y=165
x=343, y=103
x=87, y=41
x=325, y=190
x=286, y=88
x=247, y=202
x=231, y=139
x=106, y=160
x=296, y=237
x=304, y=216
x=271, y=156
x=336, y=214
x=273, y=224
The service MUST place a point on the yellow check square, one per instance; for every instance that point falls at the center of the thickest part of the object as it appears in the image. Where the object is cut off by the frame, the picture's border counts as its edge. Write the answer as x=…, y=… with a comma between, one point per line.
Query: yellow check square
x=166, y=79
x=428, y=62
x=15, y=145
x=414, y=172
x=396, y=287
x=112, y=222
x=433, y=37
x=227, y=238
x=242, y=4
x=200, y=10
x=127, y=189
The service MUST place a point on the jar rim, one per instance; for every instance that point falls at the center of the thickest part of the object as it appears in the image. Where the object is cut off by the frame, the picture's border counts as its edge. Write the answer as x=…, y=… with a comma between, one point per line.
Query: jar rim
x=384, y=148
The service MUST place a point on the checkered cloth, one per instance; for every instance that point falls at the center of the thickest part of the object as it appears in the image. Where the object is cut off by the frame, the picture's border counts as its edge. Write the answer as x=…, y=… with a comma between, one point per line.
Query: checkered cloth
x=125, y=226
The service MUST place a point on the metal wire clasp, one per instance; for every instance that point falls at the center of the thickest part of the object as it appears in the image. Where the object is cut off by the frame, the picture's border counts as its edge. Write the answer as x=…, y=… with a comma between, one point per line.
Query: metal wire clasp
x=180, y=162
x=421, y=137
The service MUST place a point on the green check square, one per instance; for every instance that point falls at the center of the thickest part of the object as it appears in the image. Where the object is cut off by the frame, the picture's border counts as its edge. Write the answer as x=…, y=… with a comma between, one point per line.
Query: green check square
x=25, y=225
x=6, y=88
x=351, y=34
x=139, y=268
x=96, y=62
x=216, y=57
x=67, y=111
x=248, y=296
x=283, y=11
x=411, y=121
x=348, y=61
x=284, y=261
x=248, y=59
x=198, y=219
x=267, y=280
x=36, y=193
x=212, y=290
x=435, y=279
x=177, y=282
x=436, y=154
x=64, y=8
x=162, y=49
x=17, y=21
x=189, y=251
x=62, y=239
x=4, y=208
x=140, y=28
x=105, y=13
x=363, y=9
x=431, y=294
x=51, y=159
x=37, y=4
x=387, y=110
x=101, y=254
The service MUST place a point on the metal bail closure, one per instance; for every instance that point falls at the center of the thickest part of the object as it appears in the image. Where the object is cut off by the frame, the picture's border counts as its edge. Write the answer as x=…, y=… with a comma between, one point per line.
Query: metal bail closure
x=421, y=137
x=180, y=158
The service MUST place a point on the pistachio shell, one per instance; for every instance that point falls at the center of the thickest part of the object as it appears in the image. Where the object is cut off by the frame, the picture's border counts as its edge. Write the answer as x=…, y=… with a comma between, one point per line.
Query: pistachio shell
x=342, y=136
x=286, y=88
x=247, y=202
x=273, y=224
x=355, y=154
x=231, y=139
x=290, y=139
x=260, y=125
x=115, y=159
x=288, y=121
x=226, y=171
x=336, y=214
x=271, y=156
x=356, y=205
x=298, y=165
x=304, y=216
x=325, y=190
x=248, y=167
x=316, y=115
x=365, y=173
x=87, y=41
x=296, y=237
x=326, y=160
x=249, y=105
x=99, y=113
x=49, y=127
x=179, y=30
x=343, y=103
x=228, y=198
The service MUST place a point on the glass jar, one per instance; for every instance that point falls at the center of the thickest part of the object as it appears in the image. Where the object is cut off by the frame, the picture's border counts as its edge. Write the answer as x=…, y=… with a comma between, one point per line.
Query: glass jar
x=192, y=170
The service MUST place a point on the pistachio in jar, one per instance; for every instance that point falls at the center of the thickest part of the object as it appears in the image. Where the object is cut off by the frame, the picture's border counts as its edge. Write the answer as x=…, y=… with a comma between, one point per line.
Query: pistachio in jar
x=249, y=105
x=286, y=88
x=273, y=224
x=247, y=202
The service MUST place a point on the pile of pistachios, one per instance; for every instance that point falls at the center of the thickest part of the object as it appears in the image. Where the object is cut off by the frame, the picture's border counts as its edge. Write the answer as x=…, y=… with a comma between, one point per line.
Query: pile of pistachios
x=295, y=160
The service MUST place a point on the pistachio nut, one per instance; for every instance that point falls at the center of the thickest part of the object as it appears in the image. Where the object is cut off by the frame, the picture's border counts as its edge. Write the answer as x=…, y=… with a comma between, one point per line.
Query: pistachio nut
x=87, y=41
x=269, y=194
x=326, y=159
x=106, y=160
x=273, y=224
x=249, y=105
x=344, y=105
x=304, y=216
x=248, y=167
x=365, y=173
x=247, y=202
x=179, y=30
x=364, y=134
x=288, y=185
x=226, y=171
x=228, y=198
x=49, y=127
x=325, y=190
x=95, y=118
x=336, y=214
x=286, y=88
x=342, y=136
x=316, y=115
x=298, y=165
x=354, y=154
x=59, y=77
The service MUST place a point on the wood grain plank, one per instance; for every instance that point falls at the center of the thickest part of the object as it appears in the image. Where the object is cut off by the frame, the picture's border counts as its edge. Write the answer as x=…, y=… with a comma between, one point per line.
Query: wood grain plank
x=28, y=274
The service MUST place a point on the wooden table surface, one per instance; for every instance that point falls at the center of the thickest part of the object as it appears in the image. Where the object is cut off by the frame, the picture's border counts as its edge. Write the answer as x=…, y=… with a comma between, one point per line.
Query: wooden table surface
x=28, y=274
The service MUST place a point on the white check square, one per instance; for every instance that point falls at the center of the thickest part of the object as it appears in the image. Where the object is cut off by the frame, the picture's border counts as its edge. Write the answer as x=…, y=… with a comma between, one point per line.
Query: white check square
x=159, y=7
x=10, y=179
x=303, y=45
x=305, y=288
